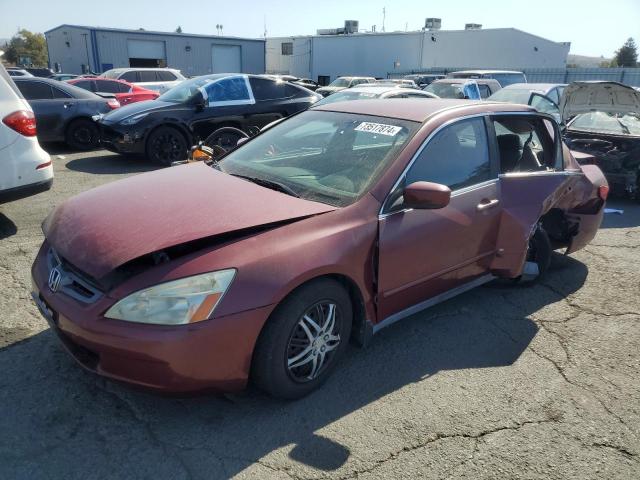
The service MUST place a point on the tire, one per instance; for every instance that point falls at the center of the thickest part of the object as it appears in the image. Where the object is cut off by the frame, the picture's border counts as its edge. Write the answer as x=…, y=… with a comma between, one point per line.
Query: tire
x=166, y=145
x=225, y=137
x=279, y=366
x=82, y=134
x=539, y=252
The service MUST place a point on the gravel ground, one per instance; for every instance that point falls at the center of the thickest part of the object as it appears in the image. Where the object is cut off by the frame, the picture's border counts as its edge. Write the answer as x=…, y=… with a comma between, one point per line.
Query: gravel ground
x=539, y=382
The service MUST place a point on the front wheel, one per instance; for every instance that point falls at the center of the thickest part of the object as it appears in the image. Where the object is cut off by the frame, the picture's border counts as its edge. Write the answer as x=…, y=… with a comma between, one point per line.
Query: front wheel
x=303, y=340
x=166, y=145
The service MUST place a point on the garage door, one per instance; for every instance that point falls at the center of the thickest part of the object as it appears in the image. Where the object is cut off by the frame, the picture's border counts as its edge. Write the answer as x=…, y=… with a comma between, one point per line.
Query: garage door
x=145, y=49
x=226, y=59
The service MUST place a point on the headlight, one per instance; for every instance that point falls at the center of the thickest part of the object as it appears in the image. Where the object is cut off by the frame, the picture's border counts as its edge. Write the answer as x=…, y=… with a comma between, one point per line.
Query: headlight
x=134, y=119
x=178, y=302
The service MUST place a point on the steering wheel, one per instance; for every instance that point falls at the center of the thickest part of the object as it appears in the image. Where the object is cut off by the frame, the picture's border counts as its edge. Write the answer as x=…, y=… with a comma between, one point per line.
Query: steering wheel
x=225, y=138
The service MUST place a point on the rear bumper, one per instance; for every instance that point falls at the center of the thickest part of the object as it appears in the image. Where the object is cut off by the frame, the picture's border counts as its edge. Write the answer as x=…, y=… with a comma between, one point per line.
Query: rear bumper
x=23, y=191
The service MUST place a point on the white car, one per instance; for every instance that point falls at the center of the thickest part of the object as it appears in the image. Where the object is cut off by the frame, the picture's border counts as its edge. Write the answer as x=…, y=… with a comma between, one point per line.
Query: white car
x=25, y=168
x=158, y=79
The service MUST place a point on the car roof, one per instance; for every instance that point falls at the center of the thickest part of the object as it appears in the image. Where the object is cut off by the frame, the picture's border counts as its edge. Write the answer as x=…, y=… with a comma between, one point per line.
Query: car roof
x=75, y=92
x=128, y=69
x=543, y=87
x=486, y=71
x=416, y=109
x=375, y=88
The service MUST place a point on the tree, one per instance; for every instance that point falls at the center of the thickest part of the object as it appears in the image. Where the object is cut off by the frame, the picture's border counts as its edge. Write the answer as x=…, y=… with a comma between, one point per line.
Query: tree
x=27, y=45
x=179, y=29
x=627, y=55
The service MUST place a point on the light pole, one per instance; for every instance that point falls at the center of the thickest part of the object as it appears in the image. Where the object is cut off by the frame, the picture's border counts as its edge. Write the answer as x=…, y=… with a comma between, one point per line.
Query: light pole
x=86, y=48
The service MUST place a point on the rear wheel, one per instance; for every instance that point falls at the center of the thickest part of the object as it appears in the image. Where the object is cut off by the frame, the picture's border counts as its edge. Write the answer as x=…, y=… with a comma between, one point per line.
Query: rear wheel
x=166, y=145
x=82, y=134
x=539, y=252
x=303, y=340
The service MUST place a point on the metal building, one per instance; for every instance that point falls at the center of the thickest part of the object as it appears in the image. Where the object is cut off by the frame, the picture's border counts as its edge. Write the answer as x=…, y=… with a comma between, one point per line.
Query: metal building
x=80, y=49
x=334, y=52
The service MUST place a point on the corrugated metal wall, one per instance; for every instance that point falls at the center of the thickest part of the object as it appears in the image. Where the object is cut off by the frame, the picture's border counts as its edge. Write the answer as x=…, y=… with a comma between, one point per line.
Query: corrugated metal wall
x=190, y=54
x=628, y=76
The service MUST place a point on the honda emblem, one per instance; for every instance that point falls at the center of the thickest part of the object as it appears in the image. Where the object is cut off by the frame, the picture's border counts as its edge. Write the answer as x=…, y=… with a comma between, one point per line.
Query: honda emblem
x=55, y=278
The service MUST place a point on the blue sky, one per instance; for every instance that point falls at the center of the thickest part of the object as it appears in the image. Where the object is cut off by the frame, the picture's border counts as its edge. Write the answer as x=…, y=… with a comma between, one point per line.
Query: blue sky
x=593, y=27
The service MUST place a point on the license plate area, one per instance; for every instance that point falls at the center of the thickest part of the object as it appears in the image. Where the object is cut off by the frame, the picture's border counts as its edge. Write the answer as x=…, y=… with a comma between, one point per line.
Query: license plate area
x=45, y=310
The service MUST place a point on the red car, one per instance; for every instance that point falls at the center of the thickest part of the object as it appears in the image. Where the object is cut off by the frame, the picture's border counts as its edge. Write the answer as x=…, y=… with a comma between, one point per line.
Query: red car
x=124, y=92
x=326, y=227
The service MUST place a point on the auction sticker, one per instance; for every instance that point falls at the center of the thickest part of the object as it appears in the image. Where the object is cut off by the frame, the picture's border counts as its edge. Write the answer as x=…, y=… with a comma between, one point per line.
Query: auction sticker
x=379, y=128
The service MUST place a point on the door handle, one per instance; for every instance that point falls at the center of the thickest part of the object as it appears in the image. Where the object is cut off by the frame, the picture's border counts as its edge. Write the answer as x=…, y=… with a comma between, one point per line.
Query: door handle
x=487, y=204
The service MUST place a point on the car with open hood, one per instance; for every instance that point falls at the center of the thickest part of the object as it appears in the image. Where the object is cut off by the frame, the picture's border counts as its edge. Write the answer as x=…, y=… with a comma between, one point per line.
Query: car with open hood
x=603, y=128
x=163, y=129
x=324, y=228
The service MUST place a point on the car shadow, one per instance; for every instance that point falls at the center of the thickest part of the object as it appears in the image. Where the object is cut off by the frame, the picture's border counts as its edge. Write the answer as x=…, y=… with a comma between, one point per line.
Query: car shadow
x=630, y=216
x=7, y=227
x=111, y=164
x=59, y=411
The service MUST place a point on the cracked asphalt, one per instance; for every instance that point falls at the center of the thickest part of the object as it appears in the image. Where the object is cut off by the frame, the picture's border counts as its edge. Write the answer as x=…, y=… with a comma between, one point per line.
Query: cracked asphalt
x=501, y=382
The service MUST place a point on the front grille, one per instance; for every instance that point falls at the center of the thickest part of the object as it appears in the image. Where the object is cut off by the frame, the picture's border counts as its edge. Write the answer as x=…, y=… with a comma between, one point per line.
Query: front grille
x=72, y=282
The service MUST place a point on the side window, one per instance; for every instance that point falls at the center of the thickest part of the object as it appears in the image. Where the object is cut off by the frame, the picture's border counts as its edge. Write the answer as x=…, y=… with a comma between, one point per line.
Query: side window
x=229, y=91
x=264, y=89
x=57, y=93
x=85, y=84
x=553, y=95
x=148, y=76
x=107, y=86
x=543, y=104
x=166, y=76
x=122, y=87
x=458, y=156
x=130, y=76
x=525, y=144
x=484, y=91
x=35, y=90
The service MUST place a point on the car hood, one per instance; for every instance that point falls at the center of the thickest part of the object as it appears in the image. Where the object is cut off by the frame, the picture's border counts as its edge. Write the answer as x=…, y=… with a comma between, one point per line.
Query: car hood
x=608, y=97
x=130, y=110
x=330, y=89
x=104, y=228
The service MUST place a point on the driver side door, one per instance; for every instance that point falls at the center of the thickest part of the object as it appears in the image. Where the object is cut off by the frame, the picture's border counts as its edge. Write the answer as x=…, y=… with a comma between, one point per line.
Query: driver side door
x=425, y=253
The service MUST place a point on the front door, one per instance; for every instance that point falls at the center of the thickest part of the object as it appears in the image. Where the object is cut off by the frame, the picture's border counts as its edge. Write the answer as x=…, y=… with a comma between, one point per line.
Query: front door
x=423, y=253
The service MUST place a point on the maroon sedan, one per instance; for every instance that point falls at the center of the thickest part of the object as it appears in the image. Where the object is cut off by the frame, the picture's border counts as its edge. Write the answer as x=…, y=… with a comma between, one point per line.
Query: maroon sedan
x=324, y=228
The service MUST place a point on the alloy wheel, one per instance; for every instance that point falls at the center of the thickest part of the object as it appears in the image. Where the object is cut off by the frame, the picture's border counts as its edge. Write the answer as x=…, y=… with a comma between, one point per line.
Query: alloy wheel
x=313, y=342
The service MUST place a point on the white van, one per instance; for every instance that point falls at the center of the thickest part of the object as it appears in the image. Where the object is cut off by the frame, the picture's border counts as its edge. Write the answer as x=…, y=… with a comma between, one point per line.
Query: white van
x=25, y=168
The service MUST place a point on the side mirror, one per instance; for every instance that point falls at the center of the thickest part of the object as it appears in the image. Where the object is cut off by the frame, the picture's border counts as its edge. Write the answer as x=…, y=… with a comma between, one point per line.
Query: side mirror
x=198, y=101
x=426, y=195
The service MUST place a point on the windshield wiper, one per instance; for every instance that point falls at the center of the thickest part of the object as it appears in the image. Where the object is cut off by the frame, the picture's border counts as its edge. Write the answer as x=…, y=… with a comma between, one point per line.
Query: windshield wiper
x=269, y=184
x=625, y=129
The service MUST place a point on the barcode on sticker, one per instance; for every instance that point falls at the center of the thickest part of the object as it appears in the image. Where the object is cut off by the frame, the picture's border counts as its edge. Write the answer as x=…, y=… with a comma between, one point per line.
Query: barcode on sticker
x=379, y=128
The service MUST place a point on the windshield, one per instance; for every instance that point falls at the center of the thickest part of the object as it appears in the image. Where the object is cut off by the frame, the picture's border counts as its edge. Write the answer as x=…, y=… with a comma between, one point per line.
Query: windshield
x=327, y=157
x=346, y=96
x=613, y=123
x=511, y=95
x=339, y=82
x=446, y=90
x=185, y=90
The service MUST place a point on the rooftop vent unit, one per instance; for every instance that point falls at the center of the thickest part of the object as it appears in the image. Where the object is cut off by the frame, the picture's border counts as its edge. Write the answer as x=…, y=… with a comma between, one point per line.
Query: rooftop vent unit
x=472, y=26
x=433, y=24
x=328, y=31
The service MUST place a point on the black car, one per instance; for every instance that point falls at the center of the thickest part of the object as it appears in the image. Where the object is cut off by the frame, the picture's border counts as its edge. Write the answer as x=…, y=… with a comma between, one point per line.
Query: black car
x=165, y=128
x=307, y=83
x=64, y=112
